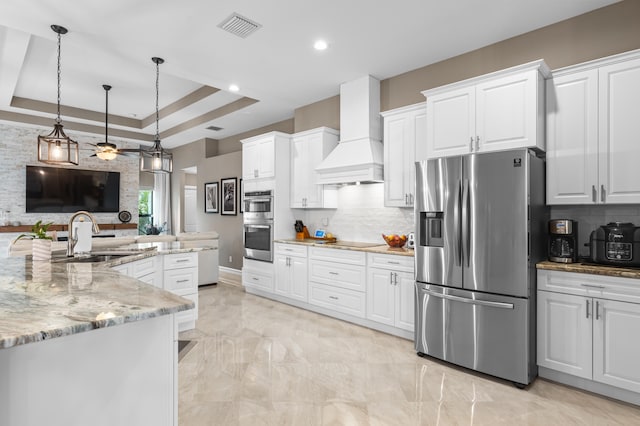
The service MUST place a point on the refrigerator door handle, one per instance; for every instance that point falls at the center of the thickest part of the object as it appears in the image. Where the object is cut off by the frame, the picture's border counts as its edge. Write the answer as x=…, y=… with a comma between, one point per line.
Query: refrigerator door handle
x=456, y=220
x=500, y=305
x=466, y=232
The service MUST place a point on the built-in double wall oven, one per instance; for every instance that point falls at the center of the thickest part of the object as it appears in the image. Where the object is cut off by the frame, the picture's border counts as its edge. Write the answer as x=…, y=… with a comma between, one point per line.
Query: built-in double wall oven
x=258, y=225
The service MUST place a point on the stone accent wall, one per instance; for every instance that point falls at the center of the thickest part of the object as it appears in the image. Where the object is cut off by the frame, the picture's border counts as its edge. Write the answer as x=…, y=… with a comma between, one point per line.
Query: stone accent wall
x=18, y=148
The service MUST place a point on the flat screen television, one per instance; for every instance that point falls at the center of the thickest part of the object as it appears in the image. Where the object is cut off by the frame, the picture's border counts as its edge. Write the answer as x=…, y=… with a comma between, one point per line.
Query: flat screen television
x=59, y=190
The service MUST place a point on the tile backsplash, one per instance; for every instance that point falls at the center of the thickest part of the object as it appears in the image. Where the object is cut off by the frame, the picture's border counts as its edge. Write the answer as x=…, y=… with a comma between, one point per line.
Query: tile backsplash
x=361, y=215
x=591, y=217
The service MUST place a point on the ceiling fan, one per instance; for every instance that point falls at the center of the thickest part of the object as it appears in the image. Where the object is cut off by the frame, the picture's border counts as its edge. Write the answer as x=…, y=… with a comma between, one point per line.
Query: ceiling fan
x=107, y=150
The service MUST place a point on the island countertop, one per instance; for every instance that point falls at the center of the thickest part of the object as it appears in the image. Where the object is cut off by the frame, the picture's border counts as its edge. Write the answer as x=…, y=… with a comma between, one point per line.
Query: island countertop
x=43, y=300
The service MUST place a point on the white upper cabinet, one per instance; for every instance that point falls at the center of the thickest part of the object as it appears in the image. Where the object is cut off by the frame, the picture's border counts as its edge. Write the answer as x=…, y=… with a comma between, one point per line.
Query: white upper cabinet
x=404, y=144
x=308, y=149
x=496, y=112
x=592, y=128
x=259, y=155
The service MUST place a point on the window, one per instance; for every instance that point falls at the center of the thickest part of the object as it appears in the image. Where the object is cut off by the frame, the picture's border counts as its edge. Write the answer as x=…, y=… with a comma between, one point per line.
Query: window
x=145, y=210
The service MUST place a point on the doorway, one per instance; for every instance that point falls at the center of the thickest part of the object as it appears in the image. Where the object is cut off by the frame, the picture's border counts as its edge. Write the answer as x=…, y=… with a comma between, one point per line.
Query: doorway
x=190, y=209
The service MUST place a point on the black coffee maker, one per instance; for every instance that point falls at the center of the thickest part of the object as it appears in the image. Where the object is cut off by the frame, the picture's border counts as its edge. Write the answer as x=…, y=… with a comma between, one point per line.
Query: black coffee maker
x=563, y=240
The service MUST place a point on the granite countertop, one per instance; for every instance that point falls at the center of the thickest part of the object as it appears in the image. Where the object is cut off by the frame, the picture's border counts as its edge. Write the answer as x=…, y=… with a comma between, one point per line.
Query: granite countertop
x=44, y=300
x=589, y=268
x=352, y=245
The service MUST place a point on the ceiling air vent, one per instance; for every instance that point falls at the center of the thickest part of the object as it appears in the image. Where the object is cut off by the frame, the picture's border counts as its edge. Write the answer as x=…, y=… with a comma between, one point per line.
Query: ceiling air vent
x=214, y=128
x=239, y=25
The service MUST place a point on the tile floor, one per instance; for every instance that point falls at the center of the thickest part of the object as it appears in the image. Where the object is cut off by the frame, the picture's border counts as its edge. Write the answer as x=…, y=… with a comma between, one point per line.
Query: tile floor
x=259, y=362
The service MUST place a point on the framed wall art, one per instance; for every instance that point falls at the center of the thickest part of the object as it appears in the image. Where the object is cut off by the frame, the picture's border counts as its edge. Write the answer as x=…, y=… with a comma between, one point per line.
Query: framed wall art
x=229, y=196
x=211, y=197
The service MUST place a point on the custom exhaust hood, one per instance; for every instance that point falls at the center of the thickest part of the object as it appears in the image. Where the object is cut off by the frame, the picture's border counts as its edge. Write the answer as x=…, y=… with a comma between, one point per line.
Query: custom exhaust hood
x=358, y=157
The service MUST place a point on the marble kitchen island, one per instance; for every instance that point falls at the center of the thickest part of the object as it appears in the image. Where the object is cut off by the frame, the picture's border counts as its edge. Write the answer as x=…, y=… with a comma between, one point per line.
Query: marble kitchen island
x=81, y=344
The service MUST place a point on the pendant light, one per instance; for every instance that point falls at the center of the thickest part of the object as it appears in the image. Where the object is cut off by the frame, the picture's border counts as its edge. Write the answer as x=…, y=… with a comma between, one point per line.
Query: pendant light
x=156, y=159
x=57, y=147
x=106, y=151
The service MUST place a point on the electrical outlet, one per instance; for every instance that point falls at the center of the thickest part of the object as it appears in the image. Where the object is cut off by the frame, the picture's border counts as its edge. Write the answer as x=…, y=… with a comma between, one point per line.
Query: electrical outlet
x=230, y=259
x=325, y=221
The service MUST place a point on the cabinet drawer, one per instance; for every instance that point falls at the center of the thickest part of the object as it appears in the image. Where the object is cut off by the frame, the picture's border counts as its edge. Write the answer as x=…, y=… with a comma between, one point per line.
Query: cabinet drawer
x=604, y=287
x=336, y=274
x=386, y=261
x=338, y=299
x=352, y=257
x=144, y=267
x=181, y=281
x=291, y=249
x=191, y=314
x=180, y=260
x=253, y=279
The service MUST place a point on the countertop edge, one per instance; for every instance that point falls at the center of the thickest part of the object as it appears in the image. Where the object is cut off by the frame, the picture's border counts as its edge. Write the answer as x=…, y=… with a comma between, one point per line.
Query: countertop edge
x=580, y=268
x=379, y=249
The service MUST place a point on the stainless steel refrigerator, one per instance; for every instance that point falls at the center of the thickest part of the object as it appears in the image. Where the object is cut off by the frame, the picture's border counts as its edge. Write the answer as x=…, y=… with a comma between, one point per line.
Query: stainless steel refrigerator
x=480, y=231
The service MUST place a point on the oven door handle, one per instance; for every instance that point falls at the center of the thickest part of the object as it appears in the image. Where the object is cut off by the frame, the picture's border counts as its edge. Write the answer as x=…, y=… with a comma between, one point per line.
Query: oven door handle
x=467, y=300
x=258, y=226
x=257, y=200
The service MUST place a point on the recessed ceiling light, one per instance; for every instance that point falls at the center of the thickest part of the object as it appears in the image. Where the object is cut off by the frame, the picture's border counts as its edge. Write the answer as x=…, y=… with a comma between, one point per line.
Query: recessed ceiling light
x=233, y=88
x=320, y=45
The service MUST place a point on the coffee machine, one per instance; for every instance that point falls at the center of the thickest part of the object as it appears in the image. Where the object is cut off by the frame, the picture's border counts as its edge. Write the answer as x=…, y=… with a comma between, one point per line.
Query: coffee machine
x=563, y=240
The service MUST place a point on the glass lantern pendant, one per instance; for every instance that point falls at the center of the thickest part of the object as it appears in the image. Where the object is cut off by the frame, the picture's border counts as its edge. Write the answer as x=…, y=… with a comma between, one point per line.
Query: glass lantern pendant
x=57, y=147
x=156, y=159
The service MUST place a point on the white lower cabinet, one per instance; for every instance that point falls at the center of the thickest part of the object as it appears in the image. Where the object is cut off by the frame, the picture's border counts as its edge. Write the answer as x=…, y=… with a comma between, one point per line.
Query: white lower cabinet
x=291, y=271
x=588, y=329
x=258, y=275
x=390, y=290
x=177, y=273
x=180, y=276
x=337, y=280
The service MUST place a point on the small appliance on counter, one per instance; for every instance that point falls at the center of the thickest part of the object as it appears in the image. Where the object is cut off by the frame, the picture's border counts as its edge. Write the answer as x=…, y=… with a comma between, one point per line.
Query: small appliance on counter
x=411, y=240
x=563, y=241
x=617, y=244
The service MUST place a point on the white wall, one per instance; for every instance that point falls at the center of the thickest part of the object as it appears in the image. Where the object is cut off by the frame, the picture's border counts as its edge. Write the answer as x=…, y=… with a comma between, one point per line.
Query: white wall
x=360, y=216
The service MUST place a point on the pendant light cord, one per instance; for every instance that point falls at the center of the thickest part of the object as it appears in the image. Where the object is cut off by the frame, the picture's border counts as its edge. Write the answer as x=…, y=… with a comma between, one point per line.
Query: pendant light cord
x=58, y=119
x=157, y=96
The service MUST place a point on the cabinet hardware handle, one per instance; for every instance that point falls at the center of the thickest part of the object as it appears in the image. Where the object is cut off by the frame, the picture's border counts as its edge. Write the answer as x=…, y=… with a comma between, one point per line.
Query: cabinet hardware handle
x=182, y=281
x=255, y=279
x=395, y=278
x=603, y=194
x=182, y=260
x=597, y=310
x=333, y=297
x=477, y=143
x=471, y=144
x=594, y=193
x=600, y=287
x=587, y=309
x=333, y=273
x=393, y=262
x=410, y=198
x=406, y=199
x=391, y=278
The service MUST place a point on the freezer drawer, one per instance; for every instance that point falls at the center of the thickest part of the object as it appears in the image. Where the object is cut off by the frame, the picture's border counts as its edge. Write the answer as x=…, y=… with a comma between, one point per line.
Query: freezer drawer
x=486, y=333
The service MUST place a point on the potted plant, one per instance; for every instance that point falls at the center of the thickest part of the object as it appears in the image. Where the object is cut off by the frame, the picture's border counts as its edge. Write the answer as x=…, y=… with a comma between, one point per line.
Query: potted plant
x=41, y=244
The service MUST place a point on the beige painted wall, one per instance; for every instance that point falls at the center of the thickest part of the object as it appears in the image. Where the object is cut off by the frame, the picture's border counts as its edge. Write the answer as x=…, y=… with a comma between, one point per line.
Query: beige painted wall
x=229, y=227
x=232, y=143
x=323, y=113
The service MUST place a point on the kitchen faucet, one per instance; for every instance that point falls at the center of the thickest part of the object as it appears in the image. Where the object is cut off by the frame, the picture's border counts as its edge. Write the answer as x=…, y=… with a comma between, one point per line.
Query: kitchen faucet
x=72, y=239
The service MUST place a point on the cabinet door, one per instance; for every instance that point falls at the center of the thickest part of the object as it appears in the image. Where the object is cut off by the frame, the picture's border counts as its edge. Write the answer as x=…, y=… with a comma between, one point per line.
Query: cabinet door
x=300, y=171
x=404, y=298
x=250, y=160
x=298, y=278
x=564, y=333
x=619, y=130
x=283, y=279
x=507, y=113
x=313, y=192
x=572, y=138
x=266, y=158
x=451, y=122
x=380, y=296
x=616, y=348
x=396, y=140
